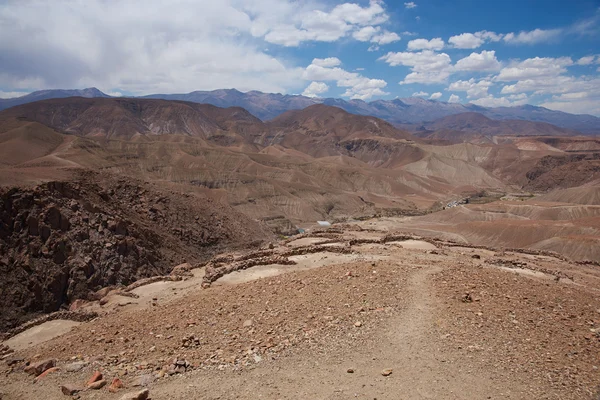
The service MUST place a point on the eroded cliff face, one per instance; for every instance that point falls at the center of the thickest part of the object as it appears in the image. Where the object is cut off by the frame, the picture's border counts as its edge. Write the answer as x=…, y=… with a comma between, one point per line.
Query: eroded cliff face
x=61, y=241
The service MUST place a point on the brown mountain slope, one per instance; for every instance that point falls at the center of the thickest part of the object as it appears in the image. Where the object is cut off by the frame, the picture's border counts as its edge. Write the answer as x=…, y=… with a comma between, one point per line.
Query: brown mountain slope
x=127, y=118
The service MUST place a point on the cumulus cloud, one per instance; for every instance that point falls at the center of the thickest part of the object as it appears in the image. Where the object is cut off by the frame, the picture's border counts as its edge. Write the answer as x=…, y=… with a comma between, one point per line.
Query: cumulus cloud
x=426, y=66
x=149, y=46
x=473, y=40
x=473, y=88
x=357, y=86
x=587, y=60
x=535, y=68
x=375, y=35
x=129, y=46
x=327, y=62
x=424, y=44
x=323, y=26
x=532, y=37
x=454, y=99
x=420, y=94
x=435, y=96
x=484, y=61
x=410, y=4
x=315, y=89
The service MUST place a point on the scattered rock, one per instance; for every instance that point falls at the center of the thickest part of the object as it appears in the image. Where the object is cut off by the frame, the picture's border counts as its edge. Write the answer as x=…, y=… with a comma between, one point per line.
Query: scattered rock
x=95, y=378
x=350, y=371
x=386, y=372
x=70, y=390
x=115, y=385
x=39, y=367
x=358, y=324
x=476, y=256
x=143, y=380
x=97, y=385
x=141, y=395
x=46, y=372
x=467, y=298
x=76, y=366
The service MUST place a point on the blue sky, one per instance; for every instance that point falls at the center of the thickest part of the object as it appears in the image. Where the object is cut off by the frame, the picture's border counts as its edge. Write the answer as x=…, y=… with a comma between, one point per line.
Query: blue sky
x=491, y=53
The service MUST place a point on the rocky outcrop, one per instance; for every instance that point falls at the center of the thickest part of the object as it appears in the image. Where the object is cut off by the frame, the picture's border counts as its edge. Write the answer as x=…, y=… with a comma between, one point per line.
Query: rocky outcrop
x=61, y=241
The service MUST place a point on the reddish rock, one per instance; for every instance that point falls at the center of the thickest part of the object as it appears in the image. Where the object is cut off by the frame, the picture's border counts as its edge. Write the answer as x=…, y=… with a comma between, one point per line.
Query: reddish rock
x=97, y=385
x=95, y=378
x=115, y=385
x=46, y=372
x=39, y=367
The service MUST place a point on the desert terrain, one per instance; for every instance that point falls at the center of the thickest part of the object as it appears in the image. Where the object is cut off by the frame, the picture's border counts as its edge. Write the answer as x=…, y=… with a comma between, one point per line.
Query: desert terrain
x=175, y=247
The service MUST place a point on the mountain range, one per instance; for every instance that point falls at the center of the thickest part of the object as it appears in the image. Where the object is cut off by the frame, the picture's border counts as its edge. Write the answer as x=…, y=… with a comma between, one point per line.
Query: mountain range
x=410, y=113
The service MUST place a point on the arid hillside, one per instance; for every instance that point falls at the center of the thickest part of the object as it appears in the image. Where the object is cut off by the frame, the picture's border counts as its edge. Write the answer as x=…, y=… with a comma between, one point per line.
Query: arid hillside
x=62, y=241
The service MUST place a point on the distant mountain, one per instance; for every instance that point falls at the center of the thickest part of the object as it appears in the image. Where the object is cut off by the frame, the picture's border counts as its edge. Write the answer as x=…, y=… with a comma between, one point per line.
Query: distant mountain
x=472, y=126
x=263, y=105
x=125, y=118
x=411, y=112
x=50, y=94
x=583, y=123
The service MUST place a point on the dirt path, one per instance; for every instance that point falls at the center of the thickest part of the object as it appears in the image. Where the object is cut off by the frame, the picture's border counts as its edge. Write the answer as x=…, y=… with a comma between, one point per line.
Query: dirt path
x=409, y=344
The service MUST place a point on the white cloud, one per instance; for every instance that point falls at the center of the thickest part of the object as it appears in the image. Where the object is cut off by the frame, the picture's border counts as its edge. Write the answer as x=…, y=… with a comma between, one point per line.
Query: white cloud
x=327, y=62
x=535, y=68
x=128, y=46
x=420, y=94
x=358, y=86
x=473, y=89
x=473, y=40
x=315, y=89
x=375, y=35
x=385, y=37
x=323, y=26
x=426, y=66
x=532, y=37
x=491, y=101
x=484, y=61
x=454, y=99
x=424, y=44
x=586, y=60
x=575, y=107
x=10, y=95
x=435, y=96
x=366, y=33
x=466, y=41
x=410, y=4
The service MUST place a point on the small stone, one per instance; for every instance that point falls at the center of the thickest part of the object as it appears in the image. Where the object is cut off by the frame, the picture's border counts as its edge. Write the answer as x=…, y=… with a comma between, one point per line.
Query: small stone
x=143, y=380
x=46, y=372
x=95, y=378
x=39, y=367
x=115, y=385
x=141, y=395
x=70, y=390
x=350, y=371
x=358, y=324
x=97, y=385
x=247, y=323
x=476, y=256
x=76, y=366
x=386, y=372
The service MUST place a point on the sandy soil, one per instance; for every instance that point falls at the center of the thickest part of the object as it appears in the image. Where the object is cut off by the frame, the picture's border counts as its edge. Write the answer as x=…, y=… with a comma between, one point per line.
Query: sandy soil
x=288, y=332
